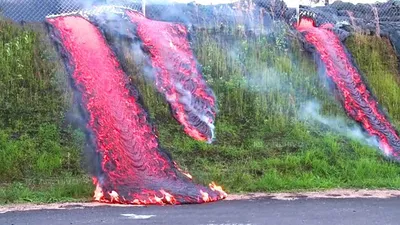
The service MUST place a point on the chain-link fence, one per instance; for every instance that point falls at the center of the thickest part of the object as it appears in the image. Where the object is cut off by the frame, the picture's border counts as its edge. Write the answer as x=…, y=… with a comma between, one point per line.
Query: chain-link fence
x=34, y=10
x=381, y=18
x=37, y=10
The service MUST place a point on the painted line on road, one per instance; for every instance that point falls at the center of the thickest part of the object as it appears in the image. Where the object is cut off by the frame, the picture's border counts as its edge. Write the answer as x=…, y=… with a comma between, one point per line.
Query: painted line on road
x=138, y=217
x=229, y=224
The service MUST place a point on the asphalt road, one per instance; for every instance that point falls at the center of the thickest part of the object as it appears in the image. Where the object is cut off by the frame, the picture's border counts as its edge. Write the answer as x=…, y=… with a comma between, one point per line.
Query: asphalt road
x=256, y=211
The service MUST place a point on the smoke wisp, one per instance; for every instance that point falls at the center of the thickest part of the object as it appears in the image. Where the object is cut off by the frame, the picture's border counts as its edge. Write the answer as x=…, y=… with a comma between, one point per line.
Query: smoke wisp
x=311, y=111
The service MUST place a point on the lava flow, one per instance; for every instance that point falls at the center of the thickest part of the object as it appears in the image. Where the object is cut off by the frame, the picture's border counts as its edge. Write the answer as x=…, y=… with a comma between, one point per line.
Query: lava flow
x=355, y=96
x=177, y=75
x=134, y=169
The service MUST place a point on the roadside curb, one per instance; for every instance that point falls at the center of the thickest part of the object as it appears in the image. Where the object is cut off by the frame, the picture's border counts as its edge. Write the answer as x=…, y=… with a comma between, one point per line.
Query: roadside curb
x=285, y=196
x=328, y=194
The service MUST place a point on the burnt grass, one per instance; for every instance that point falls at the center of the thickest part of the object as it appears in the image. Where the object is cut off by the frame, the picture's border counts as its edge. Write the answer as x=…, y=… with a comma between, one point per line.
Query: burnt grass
x=262, y=144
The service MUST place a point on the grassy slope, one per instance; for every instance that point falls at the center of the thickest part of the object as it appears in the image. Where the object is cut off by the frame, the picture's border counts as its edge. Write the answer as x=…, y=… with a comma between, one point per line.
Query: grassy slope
x=378, y=61
x=37, y=148
x=262, y=145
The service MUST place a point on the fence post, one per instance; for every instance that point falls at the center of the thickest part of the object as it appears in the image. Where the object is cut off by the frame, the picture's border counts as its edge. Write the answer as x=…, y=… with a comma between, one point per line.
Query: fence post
x=298, y=12
x=144, y=7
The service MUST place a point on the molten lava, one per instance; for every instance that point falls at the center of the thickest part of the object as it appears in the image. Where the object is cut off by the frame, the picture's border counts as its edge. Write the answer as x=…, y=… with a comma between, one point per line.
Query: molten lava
x=355, y=96
x=134, y=169
x=177, y=75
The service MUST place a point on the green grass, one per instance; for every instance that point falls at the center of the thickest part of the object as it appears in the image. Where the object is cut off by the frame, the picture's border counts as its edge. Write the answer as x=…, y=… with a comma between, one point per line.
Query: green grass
x=59, y=189
x=262, y=142
x=36, y=143
x=262, y=145
x=378, y=61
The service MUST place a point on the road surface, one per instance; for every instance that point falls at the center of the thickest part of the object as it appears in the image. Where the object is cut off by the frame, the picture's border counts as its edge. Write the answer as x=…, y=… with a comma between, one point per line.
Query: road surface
x=233, y=212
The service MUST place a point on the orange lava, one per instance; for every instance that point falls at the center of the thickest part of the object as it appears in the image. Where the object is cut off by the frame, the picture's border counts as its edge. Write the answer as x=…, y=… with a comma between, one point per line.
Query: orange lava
x=164, y=199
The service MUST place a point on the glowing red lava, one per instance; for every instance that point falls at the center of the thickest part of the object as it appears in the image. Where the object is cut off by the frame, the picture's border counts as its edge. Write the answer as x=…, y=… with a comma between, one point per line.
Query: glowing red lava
x=356, y=98
x=134, y=168
x=177, y=74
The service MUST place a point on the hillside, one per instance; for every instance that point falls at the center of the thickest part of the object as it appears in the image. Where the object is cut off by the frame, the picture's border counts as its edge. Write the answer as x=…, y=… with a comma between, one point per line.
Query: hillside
x=265, y=142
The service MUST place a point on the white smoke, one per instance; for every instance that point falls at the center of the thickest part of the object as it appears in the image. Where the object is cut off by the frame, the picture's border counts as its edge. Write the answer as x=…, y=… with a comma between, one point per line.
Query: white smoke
x=187, y=98
x=269, y=81
x=308, y=110
x=311, y=110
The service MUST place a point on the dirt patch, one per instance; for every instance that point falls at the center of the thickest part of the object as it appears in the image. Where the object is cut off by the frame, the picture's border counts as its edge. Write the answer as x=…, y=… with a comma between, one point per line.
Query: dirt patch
x=31, y=206
x=333, y=194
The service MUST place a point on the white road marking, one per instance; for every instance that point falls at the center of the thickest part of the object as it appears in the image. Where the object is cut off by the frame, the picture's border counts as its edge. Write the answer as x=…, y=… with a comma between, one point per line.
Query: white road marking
x=229, y=224
x=138, y=217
